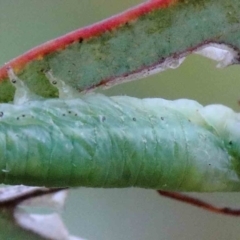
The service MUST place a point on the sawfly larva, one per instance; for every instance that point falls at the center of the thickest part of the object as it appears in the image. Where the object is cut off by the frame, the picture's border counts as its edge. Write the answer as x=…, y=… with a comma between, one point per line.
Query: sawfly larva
x=97, y=141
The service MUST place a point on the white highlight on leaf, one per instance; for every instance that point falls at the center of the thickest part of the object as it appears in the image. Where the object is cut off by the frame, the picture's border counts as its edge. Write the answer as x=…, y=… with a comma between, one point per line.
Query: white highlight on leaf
x=9, y=193
x=54, y=200
x=221, y=53
x=48, y=226
x=175, y=63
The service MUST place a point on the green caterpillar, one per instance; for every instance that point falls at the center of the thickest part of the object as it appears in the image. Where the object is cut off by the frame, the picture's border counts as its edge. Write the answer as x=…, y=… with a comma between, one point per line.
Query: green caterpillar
x=97, y=141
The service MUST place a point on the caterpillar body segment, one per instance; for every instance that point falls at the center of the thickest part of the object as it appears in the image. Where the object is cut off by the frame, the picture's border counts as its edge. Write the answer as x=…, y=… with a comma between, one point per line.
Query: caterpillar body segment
x=98, y=141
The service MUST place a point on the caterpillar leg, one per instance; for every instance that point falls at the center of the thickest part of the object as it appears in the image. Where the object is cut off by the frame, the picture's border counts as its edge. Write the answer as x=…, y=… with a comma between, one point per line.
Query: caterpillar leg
x=65, y=91
x=22, y=93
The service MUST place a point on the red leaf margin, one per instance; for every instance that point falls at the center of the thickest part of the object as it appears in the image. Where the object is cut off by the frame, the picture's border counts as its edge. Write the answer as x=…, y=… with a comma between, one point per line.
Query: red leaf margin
x=93, y=30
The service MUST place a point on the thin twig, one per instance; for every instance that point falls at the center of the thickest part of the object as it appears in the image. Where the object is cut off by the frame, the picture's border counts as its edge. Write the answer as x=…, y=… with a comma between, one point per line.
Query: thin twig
x=200, y=203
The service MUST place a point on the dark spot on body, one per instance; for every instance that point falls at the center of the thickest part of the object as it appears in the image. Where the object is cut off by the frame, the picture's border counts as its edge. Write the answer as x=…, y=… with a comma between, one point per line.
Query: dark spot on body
x=75, y=114
x=64, y=114
x=209, y=164
x=23, y=115
x=1, y=114
x=17, y=118
x=189, y=120
x=54, y=82
x=134, y=119
x=230, y=143
x=14, y=81
x=162, y=118
x=103, y=119
x=80, y=40
x=69, y=112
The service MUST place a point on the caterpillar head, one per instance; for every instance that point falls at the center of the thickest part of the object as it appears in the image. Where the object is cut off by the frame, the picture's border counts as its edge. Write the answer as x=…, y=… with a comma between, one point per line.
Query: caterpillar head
x=226, y=123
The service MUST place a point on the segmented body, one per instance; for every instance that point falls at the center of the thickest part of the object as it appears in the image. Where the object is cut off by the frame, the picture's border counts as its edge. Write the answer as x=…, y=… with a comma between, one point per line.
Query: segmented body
x=99, y=141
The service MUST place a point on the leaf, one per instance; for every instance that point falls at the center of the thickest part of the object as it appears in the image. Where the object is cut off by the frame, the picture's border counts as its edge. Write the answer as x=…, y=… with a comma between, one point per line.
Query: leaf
x=146, y=39
x=16, y=223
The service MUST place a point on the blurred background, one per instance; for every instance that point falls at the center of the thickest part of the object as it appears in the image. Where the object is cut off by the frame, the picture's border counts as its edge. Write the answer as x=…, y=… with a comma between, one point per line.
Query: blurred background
x=117, y=214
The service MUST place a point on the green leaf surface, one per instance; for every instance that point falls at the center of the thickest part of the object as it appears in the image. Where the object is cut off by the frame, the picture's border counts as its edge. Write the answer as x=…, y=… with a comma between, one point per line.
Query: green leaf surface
x=129, y=45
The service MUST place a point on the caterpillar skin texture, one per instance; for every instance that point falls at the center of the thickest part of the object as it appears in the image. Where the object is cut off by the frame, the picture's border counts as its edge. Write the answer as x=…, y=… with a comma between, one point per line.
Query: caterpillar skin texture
x=98, y=141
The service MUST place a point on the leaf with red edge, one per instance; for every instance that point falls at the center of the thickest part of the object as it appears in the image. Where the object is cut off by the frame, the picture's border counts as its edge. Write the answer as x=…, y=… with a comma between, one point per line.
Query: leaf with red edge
x=151, y=37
